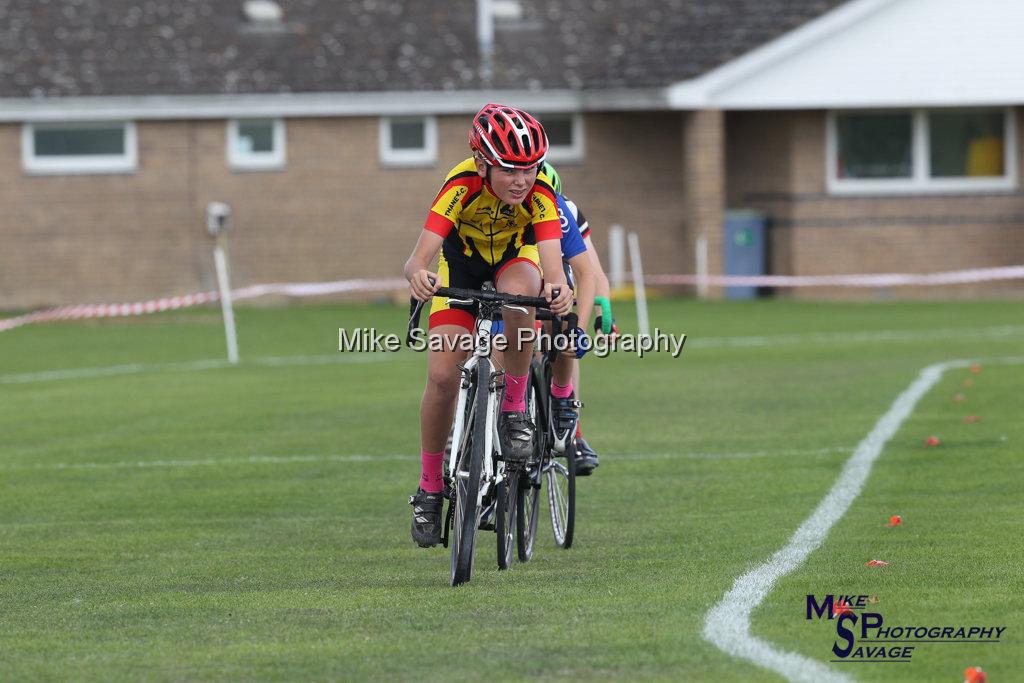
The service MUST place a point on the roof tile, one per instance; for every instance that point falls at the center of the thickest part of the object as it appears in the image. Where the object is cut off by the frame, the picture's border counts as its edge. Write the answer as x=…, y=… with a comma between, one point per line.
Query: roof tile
x=68, y=48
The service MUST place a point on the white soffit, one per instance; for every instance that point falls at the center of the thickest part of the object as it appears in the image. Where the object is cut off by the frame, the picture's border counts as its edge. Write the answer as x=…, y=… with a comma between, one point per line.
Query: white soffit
x=878, y=53
x=321, y=104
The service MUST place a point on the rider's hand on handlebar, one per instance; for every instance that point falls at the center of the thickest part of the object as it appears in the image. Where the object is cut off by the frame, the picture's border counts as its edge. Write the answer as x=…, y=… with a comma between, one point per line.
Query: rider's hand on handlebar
x=599, y=330
x=581, y=343
x=562, y=303
x=423, y=284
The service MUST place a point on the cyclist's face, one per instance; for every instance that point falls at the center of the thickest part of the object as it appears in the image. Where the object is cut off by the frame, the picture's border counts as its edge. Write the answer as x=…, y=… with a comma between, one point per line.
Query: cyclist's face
x=511, y=185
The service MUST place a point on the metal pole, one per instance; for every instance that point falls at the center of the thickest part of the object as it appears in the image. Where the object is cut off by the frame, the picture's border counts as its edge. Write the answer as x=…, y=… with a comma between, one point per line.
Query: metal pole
x=617, y=256
x=485, y=39
x=643, y=324
x=702, y=267
x=221, y=263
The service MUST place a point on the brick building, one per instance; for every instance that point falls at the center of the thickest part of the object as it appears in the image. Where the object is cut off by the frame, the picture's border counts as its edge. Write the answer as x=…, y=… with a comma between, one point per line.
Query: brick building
x=876, y=135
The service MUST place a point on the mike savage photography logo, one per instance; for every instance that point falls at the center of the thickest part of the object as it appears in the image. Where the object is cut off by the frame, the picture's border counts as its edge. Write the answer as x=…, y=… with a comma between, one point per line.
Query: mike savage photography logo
x=370, y=340
x=863, y=636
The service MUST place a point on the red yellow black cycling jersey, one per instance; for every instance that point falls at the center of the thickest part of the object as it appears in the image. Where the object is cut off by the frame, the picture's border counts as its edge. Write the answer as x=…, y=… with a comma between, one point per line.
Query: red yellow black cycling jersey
x=478, y=225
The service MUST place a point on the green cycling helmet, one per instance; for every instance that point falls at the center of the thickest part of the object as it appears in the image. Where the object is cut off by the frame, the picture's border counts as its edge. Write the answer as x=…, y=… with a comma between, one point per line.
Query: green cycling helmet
x=552, y=174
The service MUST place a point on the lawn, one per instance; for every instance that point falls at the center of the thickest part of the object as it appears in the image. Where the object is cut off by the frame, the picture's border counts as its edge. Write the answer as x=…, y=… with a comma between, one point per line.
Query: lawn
x=165, y=517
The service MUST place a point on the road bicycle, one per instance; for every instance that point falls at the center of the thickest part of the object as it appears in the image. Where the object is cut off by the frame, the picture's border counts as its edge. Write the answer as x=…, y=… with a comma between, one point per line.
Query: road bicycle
x=555, y=465
x=479, y=484
x=556, y=459
x=555, y=462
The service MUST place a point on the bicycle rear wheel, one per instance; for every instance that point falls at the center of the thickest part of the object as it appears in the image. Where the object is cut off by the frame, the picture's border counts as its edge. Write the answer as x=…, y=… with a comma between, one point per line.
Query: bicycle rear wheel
x=467, y=475
x=527, y=514
x=505, y=515
x=561, y=481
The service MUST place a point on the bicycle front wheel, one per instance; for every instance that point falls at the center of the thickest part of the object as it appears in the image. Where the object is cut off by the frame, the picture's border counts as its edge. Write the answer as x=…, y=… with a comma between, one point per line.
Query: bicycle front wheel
x=467, y=475
x=561, y=481
x=528, y=495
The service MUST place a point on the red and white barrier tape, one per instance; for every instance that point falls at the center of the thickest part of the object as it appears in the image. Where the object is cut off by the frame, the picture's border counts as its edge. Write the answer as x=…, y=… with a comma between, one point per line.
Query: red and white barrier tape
x=304, y=289
x=298, y=289
x=952, y=277
x=320, y=288
x=80, y=311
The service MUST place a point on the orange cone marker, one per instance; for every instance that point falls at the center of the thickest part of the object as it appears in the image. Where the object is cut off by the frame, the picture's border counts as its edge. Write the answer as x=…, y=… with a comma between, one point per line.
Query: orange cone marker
x=841, y=607
x=932, y=441
x=895, y=520
x=877, y=563
x=974, y=674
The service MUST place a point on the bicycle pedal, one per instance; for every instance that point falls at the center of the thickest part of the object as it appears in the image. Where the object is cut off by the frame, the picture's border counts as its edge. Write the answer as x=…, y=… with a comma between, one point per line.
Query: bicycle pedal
x=487, y=517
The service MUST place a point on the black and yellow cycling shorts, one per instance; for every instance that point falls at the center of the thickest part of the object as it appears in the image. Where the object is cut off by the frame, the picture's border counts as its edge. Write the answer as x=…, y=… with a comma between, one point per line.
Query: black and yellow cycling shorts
x=471, y=273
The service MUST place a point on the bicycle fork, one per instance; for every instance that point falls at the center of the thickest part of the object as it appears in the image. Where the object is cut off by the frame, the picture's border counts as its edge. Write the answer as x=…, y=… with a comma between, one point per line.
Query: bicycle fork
x=491, y=474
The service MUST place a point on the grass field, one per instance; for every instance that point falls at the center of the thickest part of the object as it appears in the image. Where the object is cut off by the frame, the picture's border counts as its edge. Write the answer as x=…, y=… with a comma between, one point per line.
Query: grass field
x=166, y=518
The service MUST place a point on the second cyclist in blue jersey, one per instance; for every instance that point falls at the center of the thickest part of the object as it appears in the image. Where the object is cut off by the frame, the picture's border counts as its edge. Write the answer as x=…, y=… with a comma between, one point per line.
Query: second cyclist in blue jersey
x=572, y=216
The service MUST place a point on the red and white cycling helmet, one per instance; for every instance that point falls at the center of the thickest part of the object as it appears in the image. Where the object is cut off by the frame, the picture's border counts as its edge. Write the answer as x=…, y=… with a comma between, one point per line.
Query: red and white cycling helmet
x=509, y=137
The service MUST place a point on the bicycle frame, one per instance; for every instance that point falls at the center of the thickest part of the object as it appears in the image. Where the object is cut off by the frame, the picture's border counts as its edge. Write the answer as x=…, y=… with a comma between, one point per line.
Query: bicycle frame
x=482, y=350
x=491, y=441
x=489, y=465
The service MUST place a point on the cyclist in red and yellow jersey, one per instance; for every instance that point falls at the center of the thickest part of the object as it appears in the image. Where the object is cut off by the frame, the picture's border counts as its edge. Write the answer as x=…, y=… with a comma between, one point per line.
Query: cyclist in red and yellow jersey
x=496, y=219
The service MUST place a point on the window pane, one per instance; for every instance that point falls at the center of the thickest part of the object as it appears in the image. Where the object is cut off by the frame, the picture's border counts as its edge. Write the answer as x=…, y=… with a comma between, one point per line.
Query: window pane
x=408, y=134
x=966, y=144
x=559, y=130
x=79, y=141
x=874, y=145
x=255, y=137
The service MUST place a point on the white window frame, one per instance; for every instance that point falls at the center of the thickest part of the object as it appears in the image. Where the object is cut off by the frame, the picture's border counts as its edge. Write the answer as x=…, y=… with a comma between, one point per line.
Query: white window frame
x=74, y=164
x=256, y=161
x=406, y=158
x=574, y=153
x=920, y=181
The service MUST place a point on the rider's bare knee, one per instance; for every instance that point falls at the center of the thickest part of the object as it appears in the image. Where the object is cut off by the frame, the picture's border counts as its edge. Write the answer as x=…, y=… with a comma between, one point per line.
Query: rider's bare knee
x=444, y=379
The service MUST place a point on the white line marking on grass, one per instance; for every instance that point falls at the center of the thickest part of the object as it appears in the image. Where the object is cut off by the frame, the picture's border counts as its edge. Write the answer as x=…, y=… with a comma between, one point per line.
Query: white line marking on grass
x=727, y=624
x=191, y=522
x=831, y=338
x=108, y=371
x=292, y=459
x=612, y=457
x=242, y=460
x=995, y=332
x=283, y=361
x=207, y=364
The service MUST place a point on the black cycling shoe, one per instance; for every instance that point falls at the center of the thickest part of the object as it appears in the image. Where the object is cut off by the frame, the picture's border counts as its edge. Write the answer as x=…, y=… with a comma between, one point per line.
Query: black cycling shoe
x=516, y=433
x=565, y=412
x=426, y=518
x=586, y=458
